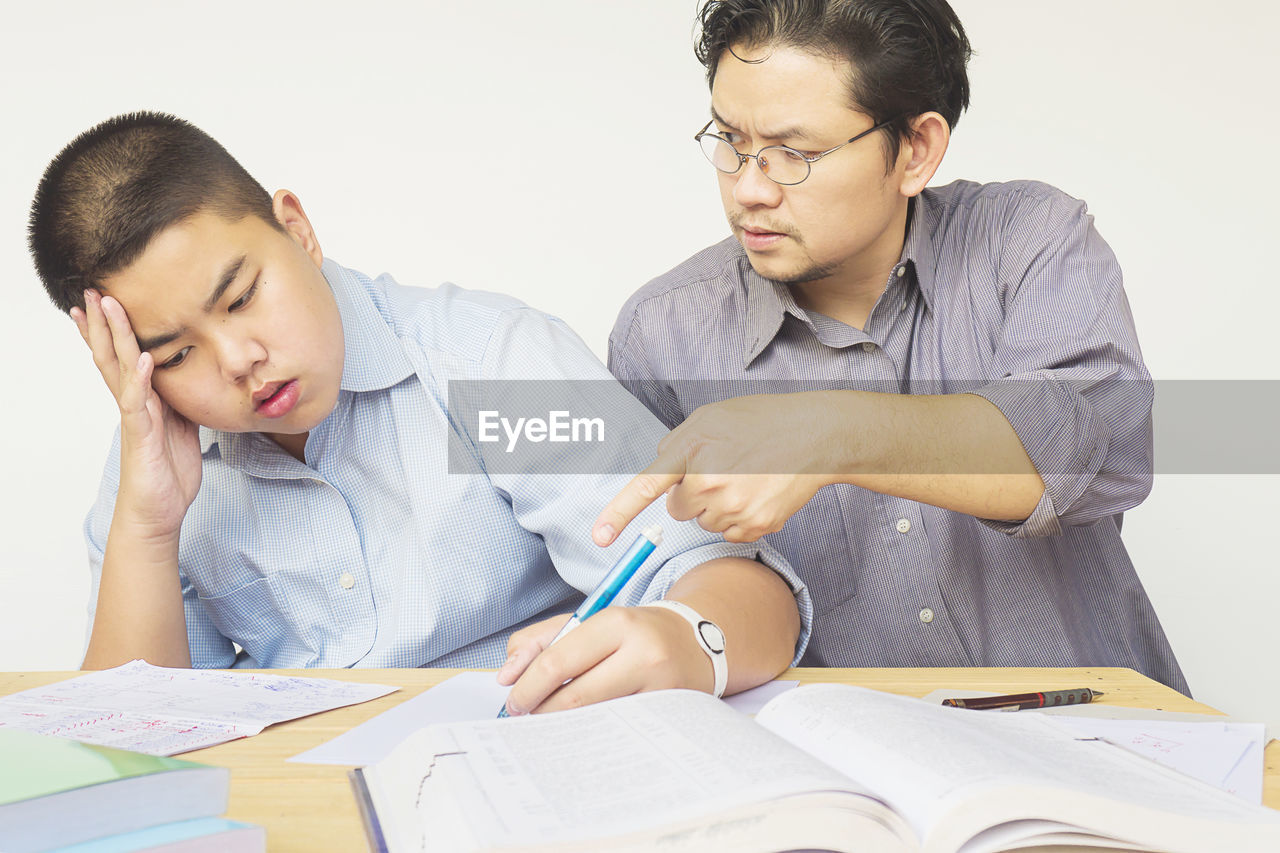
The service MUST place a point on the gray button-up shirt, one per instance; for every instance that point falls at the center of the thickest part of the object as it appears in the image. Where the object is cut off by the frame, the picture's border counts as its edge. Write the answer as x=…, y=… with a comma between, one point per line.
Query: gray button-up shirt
x=1003, y=290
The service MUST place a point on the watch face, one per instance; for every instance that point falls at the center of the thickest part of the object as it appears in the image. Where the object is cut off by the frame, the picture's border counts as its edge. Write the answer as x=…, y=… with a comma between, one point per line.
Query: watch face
x=711, y=635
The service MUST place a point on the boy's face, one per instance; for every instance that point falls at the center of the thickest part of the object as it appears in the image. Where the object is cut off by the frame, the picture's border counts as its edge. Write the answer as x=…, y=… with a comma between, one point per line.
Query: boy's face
x=242, y=325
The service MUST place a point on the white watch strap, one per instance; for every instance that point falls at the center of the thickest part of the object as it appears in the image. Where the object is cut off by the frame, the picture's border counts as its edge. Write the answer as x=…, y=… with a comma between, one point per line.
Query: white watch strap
x=701, y=629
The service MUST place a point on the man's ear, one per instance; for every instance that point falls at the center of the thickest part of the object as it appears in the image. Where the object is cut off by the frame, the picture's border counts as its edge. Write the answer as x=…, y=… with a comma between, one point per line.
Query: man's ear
x=930, y=135
x=288, y=212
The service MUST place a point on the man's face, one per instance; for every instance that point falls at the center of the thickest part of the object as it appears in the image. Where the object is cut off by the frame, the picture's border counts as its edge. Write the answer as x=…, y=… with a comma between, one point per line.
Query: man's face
x=845, y=218
x=242, y=325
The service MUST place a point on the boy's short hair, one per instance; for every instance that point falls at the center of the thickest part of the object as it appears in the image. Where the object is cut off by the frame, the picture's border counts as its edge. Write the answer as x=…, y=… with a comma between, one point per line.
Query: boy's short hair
x=119, y=184
x=908, y=56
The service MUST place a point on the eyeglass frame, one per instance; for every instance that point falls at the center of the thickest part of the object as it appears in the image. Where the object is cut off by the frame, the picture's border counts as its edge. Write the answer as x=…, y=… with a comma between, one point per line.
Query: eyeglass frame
x=809, y=161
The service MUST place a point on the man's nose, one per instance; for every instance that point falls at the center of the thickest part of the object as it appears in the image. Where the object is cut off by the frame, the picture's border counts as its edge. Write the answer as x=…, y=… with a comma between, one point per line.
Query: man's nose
x=753, y=187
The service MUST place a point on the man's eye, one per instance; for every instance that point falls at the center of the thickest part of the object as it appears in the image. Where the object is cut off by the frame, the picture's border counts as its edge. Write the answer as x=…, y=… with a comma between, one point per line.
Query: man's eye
x=175, y=359
x=245, y=298
x=734, y=139
x=798, y=156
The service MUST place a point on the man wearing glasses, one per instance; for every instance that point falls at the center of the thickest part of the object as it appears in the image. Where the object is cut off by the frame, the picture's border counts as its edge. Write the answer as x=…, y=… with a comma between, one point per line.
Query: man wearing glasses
x=931, y=400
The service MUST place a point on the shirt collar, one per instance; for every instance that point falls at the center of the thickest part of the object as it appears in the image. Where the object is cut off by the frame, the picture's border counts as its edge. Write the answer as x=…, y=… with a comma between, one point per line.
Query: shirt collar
x=373, y=358
x=769, y=301
x=918, y=252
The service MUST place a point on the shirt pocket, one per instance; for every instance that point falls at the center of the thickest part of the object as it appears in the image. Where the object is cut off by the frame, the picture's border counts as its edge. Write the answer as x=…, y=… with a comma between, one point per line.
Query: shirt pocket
x=251, y=616
x=816, y=541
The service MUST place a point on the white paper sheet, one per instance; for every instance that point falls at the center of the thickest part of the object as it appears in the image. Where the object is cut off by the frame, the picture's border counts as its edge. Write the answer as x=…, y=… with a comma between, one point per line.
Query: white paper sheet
x=1226, y=755
x=465, y=698
x=1215, y=749
x=162, y=711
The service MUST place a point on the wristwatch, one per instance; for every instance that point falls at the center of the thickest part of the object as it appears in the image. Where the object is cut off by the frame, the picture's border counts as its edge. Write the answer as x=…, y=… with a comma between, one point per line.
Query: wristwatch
x=708, y=635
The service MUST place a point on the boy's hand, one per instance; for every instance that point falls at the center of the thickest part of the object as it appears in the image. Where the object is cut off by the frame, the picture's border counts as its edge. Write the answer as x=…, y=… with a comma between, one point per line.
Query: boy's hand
x=159, y=449
x=617, y=652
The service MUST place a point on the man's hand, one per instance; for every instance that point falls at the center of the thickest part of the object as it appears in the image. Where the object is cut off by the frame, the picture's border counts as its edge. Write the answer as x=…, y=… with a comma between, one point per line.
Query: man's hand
x=159, y=449
x=617, y=652
x=741, y=467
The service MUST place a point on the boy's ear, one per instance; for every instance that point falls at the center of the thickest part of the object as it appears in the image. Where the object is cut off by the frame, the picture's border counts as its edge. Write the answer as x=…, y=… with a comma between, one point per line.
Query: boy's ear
x=288, y=212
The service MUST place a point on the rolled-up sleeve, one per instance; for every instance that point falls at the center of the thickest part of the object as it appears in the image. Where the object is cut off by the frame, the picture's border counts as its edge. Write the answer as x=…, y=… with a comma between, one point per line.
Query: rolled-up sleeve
x=1072, y=383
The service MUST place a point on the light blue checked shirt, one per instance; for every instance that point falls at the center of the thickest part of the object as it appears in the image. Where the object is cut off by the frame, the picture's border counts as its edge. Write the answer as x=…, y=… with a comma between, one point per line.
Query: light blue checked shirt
x=374, y=554
x=1003, y=290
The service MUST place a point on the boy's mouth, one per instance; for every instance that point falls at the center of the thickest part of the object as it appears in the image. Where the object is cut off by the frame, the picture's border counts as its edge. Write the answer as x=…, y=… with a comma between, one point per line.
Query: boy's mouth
x=276, y=399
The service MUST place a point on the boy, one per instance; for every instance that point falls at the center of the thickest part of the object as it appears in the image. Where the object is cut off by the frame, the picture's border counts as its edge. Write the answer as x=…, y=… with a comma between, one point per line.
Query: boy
x=280, y=482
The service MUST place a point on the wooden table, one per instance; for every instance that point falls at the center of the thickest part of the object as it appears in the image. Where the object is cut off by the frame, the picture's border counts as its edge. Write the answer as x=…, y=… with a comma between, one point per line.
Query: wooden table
x=309, y=807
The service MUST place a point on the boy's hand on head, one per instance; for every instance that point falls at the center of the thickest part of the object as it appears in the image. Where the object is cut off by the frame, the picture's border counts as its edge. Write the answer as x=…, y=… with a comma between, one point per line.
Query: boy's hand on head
x=617, y=652
x=159, y=449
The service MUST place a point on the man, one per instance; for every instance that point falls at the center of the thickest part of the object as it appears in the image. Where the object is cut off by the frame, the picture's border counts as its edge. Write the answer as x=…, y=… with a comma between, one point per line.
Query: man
x=948, y=411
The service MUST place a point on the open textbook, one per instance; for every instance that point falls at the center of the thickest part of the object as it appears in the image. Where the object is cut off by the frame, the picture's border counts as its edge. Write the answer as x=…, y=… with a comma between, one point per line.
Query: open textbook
x=823, y=767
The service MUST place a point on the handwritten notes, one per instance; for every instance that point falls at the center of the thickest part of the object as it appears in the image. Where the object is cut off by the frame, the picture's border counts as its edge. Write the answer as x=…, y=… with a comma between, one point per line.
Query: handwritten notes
x=163, y=711
x=1226, y=755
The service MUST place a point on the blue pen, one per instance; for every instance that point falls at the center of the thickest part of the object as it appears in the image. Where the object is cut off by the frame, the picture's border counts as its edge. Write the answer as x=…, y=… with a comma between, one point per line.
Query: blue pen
x=607, y=590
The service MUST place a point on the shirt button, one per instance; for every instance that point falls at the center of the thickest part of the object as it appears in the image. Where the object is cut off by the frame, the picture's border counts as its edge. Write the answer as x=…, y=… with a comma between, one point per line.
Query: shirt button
x=904, y=525
x=347, y=580
x=901, y=271
x=926, y=616
x=868, y=346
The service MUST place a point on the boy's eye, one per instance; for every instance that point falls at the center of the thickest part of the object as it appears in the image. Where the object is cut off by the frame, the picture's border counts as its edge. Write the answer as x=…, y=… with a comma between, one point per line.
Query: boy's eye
x=175, y=359
x=244, y=298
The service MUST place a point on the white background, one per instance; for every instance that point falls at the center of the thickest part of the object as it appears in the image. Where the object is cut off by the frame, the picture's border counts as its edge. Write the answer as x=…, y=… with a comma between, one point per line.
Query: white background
x=544, y=149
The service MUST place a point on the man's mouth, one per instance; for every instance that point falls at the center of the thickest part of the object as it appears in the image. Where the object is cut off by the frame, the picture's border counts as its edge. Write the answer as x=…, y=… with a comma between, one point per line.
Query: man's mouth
x=757, y=238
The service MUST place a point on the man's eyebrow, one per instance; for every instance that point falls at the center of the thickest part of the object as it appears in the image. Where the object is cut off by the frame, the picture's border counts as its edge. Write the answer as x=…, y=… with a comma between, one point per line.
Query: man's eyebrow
x=795, y=132
x=229, y=274
x=719, y=119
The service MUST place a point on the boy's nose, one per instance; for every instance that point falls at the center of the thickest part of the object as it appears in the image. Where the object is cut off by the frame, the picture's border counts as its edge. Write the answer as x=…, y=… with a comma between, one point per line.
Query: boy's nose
x=238, y=357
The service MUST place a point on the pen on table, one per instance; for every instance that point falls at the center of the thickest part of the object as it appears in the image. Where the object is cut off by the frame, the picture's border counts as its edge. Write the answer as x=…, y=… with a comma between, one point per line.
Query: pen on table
x=1019, y=701
x=604, y=593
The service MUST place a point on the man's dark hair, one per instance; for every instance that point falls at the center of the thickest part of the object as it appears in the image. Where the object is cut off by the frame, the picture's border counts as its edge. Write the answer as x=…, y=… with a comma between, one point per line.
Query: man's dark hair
x=117, y=186
x=907, y=56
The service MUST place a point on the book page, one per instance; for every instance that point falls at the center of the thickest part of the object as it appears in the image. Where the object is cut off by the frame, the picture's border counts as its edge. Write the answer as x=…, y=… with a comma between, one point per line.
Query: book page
x=924, y=759
x=641, y=761
x=465, y=697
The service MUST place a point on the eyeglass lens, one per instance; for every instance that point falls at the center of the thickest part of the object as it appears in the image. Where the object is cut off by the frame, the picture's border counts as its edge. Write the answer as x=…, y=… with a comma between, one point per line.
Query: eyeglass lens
x=782, y=165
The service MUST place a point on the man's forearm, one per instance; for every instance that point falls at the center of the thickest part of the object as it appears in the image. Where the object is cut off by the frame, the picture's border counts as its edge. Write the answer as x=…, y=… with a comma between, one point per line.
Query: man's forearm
x=954, y=451
x=139, y=612
x=756, y=610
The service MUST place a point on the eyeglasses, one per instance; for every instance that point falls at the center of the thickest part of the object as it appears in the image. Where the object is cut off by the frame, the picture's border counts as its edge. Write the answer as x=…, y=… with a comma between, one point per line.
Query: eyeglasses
x=780, y=163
